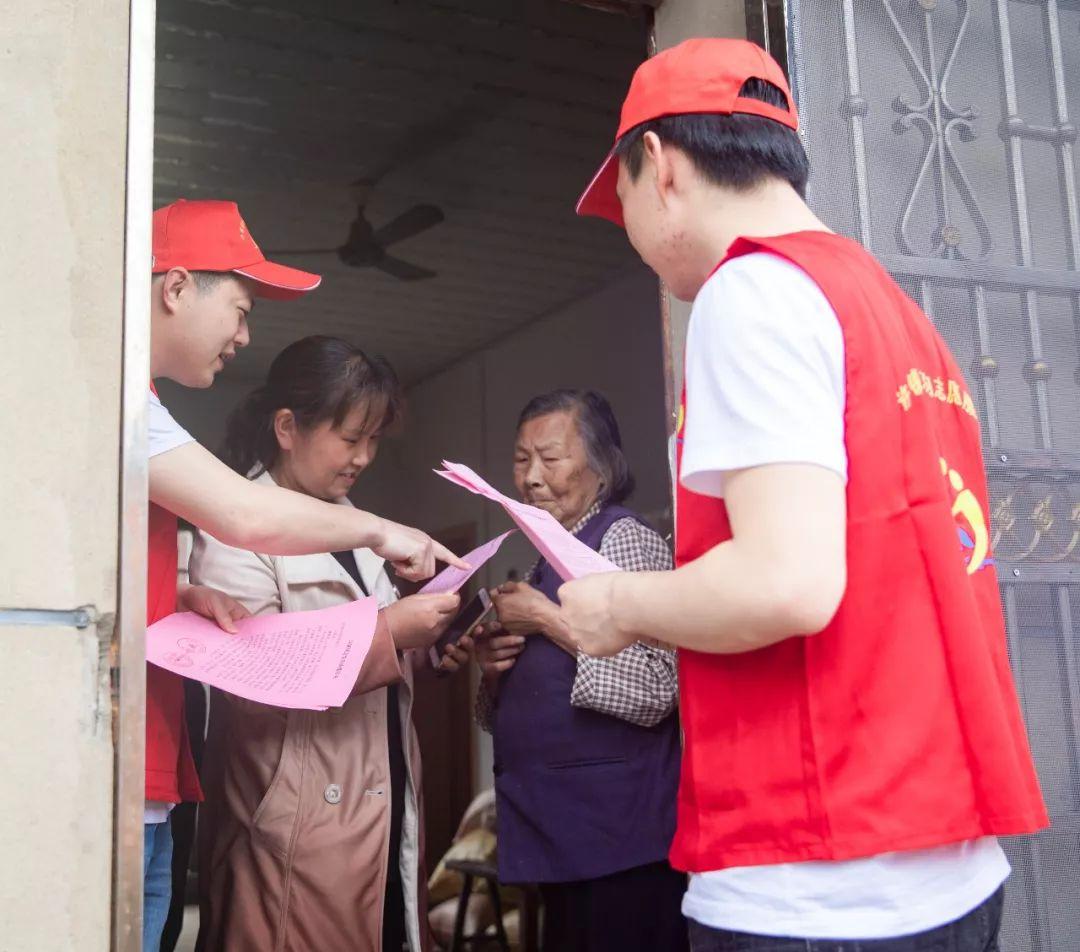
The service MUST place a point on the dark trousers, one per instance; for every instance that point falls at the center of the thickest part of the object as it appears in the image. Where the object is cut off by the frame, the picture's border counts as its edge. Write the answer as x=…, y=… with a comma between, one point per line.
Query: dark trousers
x=975, y=932
x=393, y=924
x=636, y=910
x=183, y=820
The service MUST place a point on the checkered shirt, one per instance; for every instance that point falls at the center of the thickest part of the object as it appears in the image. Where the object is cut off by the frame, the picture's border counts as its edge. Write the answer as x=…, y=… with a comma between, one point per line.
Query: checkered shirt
x=639, y=684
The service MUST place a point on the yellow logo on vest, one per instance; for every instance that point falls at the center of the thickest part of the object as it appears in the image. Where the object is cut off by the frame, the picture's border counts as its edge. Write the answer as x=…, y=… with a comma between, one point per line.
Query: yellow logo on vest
x=976, y=538
x=919, y=383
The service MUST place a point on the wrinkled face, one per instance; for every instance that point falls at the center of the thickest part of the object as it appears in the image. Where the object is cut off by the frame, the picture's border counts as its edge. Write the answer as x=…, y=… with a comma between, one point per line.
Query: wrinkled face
x=206, y=330
x=551, y=467
x=325, y=460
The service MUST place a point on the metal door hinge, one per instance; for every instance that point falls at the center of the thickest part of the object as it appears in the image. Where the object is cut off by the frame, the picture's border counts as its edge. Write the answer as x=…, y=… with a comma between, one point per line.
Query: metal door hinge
x=82, y=617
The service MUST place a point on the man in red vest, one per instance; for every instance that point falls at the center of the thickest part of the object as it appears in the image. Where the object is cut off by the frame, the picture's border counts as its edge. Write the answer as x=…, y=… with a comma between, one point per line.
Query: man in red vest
x=853, y=741
x=207, y=273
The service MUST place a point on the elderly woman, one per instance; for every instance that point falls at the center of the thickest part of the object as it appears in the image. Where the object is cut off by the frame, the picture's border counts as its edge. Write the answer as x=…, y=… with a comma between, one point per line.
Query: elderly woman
x=586, y=749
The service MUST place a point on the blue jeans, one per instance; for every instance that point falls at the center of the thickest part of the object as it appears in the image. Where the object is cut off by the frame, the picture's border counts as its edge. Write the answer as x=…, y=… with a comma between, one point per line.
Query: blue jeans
x=157, y=882
x=975, y=932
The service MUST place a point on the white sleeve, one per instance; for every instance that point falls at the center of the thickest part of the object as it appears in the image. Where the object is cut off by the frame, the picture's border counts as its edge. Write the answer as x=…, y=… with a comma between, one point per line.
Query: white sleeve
x=764, y=374
x=164, y=432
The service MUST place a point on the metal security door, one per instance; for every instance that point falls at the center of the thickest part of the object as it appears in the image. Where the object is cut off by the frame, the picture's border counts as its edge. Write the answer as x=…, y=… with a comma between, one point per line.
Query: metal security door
x=940, y=137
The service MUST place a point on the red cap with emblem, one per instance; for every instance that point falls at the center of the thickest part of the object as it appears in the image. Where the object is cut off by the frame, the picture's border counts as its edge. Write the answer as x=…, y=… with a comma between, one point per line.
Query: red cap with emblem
x=211, y=236
x=697, y=76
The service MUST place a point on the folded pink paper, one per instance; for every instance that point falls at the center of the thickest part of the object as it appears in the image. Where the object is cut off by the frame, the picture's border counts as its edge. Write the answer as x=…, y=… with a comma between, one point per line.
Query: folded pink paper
x=297, y=659
x=452, y=578
x=569, y=556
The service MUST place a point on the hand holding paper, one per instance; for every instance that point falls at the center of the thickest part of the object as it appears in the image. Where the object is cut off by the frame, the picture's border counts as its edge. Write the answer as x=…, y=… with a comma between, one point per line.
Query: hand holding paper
x=297, y=659
x=588, y=607
x=569, y=556
x=451, y=579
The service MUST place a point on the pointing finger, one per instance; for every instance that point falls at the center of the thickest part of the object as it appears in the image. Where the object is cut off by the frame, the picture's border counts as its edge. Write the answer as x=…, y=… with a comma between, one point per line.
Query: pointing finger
x=443, y=554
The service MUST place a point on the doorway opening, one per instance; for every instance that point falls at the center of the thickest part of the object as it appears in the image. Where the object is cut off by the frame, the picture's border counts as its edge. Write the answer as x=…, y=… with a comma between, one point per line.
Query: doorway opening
x=425, y=158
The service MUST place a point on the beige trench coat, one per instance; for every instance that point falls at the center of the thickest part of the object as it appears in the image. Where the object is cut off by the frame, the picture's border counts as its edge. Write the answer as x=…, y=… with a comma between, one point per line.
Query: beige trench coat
x=293, y=836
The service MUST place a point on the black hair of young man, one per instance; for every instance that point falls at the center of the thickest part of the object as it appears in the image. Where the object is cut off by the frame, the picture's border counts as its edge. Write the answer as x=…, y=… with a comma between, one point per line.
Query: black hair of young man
x=737, y=152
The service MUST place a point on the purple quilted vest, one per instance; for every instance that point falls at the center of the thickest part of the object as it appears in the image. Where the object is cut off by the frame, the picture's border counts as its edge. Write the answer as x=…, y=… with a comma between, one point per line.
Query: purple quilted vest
x=580, y=794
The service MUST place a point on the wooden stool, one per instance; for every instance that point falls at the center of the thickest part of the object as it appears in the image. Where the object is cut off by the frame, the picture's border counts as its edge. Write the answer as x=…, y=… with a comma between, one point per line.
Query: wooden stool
x=471, y=871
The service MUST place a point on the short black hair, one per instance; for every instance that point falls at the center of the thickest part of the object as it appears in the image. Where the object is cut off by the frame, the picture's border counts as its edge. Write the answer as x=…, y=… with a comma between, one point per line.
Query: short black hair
x=207, y=281
x=738, y=152
x=599, y=432
x=204, y=281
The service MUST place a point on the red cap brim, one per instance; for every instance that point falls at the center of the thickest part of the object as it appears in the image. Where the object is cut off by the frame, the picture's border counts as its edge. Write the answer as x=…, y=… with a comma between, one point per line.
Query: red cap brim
x=601, y=199
x=279, y=282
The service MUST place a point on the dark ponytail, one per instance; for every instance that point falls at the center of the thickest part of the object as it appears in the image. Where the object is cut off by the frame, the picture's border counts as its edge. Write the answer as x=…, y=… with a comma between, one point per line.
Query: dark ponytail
x=319, y=379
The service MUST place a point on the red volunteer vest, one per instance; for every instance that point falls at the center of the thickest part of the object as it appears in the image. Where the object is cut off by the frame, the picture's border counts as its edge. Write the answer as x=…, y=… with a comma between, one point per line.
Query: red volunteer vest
x=170, y=769
x=897, y=727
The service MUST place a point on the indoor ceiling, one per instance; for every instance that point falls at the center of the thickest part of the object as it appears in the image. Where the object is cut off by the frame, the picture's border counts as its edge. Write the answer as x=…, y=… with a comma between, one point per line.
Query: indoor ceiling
x=495, y=111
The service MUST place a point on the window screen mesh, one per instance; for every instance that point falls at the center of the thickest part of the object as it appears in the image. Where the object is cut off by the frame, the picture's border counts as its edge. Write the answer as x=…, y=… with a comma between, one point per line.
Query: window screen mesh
x=941, y=136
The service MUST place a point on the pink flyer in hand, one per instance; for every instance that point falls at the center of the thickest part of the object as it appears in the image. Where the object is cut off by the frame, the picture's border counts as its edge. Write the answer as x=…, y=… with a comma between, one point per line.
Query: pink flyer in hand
x=298, y=659
x=569, y=556
x=451, y=578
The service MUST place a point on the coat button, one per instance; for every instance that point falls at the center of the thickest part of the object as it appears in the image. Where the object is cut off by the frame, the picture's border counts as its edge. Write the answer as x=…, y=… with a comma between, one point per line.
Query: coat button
x=332, y=794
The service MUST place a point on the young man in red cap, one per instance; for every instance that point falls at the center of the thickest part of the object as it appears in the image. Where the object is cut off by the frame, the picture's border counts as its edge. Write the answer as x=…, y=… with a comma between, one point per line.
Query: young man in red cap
x=207, y=273
x=853, y=741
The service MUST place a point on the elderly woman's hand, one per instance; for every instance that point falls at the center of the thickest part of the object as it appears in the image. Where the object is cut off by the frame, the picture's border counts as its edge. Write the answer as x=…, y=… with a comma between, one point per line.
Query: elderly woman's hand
x=522, y=609
x=456, y=656
x=496, y=651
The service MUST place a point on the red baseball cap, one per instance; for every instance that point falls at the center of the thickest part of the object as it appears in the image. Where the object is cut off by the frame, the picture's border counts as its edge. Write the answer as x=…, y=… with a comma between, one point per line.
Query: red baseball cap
x=697, y=76
x=212, y=236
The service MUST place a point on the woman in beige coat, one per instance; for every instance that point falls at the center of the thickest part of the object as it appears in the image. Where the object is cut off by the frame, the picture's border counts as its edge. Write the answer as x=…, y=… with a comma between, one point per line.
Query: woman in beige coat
x=311, y=836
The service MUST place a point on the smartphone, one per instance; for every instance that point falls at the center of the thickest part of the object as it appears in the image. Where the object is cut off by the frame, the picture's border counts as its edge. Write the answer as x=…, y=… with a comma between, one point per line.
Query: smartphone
x=478, y=610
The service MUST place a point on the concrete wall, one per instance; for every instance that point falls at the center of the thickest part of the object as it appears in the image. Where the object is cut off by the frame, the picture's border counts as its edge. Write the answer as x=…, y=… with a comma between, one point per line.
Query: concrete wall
x=63, y=68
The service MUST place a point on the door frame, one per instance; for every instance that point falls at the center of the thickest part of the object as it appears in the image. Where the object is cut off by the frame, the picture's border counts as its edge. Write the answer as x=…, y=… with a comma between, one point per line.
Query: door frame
x=128, y=649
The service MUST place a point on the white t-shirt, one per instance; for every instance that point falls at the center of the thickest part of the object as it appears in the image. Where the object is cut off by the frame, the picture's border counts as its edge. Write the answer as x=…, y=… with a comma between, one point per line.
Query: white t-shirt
x=164, y=434
x=765, y=380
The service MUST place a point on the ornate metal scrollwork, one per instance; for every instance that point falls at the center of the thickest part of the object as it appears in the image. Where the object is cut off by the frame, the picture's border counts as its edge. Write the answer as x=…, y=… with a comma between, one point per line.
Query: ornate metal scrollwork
x=1049, y=531
x=1042, y=519
x=1074, y=542
x=940, y=122
x=1002, y=519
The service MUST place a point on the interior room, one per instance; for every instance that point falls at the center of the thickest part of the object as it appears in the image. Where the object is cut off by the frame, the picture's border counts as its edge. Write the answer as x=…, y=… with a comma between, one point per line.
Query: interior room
x=425, y=159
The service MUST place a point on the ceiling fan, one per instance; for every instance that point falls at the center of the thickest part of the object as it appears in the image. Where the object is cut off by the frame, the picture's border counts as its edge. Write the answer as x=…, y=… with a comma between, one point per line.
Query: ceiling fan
x=366, y=247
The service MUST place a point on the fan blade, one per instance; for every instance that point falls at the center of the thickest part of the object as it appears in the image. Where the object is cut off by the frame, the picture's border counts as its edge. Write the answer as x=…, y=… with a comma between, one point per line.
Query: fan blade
x=404, y=271
x=302, y=251
x=417, y=219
